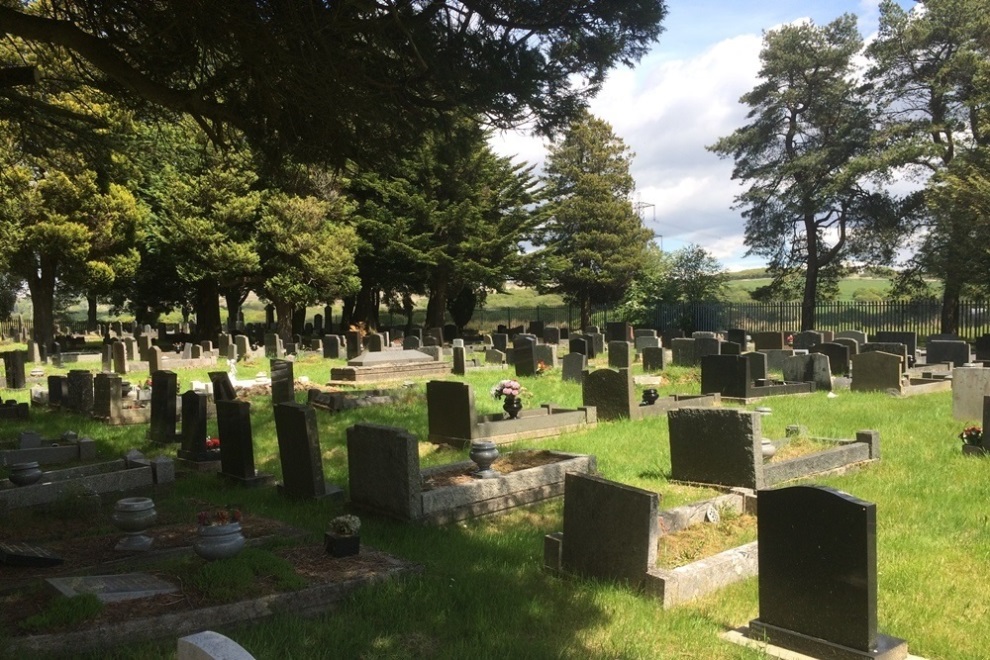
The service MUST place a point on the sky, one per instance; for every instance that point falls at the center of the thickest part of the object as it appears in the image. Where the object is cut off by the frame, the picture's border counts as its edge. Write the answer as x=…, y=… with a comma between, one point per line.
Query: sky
x=684, y=95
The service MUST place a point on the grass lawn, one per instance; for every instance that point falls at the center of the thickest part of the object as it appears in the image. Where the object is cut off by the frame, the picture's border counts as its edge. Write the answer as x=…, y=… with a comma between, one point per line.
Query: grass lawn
x=483, y=593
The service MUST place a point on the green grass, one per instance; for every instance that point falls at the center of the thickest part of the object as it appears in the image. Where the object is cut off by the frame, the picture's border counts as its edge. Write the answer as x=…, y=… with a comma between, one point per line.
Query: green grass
x=871, y=288
x=64, y=612
x=483, y=594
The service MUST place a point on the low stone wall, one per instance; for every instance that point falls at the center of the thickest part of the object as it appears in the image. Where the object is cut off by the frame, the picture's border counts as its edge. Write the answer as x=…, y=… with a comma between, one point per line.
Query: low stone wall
x=387, y=372
x=82, y=450
x=546, y=421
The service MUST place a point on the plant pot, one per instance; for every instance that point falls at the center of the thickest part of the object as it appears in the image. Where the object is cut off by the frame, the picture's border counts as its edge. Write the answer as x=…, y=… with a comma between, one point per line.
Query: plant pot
x=219, y=541
x=650, y=397
x=342, y=546
x=134, y=515
x=24, y=474
x=975, y=450
x=768, y=449
x=484, y=453
x=512, y=406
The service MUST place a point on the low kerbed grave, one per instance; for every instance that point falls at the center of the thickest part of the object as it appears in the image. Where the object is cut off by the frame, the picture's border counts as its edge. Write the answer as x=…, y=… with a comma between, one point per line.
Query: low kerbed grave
x=31, y=447
x=314, y=583
x=881, y=371
x=128, y=473
x=613, y=531
x=453, y=420
x=351, y=399
x=385, y=478
x=613, y=395
x=389, y=365
x=725, y=447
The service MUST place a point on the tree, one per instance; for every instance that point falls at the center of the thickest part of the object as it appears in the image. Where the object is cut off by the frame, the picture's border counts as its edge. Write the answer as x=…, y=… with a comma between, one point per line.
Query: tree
x=445, y=221
x=690, y=274
x=593, y=241
x=306, y=253
x=929, y=72
x=328, y=81
x=805, y=155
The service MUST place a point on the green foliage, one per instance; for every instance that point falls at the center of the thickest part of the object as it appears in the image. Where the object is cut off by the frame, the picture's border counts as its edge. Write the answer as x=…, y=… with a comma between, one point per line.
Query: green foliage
x=594, y=243
x=232, y=579
x=64, y=612
x=690, y=274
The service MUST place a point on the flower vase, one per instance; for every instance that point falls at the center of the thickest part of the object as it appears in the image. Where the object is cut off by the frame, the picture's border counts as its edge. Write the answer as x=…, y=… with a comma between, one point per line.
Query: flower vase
x=650, y=397
x=219, y=541
x=133, y=516
x=512, y=406
x=338, y=545
x=975, y=450
x=484, y=453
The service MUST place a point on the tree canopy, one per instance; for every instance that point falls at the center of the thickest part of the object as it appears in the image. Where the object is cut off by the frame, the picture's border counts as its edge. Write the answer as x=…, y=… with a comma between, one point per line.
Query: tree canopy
x=330, y=81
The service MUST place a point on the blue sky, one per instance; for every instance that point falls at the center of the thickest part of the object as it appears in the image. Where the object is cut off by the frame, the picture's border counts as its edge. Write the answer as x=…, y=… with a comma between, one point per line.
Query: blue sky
x=683, y=96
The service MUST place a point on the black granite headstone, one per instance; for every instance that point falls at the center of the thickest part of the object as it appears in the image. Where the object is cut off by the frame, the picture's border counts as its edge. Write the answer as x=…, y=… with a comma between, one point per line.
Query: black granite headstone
x=31, y=556
x=818, y=574
x=353, y=344
x=331, y=347
x=223, y=389
x=299, y=451
x=618, y=331
x=283, y=382
x=58, y=390
x=13, y=364
x=194, y=427
x=164, y=389
x=237, y=445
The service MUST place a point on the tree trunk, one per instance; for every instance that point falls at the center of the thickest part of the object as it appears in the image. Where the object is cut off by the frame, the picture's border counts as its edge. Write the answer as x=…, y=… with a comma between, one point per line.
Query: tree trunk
x=283, y=322
x=950, y=305
x=42, y=288
x=208, y=324
x=366, y=307
x=407, y=309
x=436, y=308
x=235, y=298
x=585, y=311
x=91, y=312
x=346, y=313
x=298, y=320
x=810, y=276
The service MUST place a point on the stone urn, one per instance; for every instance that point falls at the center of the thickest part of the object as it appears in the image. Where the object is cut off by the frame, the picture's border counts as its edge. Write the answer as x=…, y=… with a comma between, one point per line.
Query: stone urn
x=512, y=406
x=769, y=449
x=134, y=515
x=219, y=541
x=484, y=453
x=342, y=545
x=25, y=474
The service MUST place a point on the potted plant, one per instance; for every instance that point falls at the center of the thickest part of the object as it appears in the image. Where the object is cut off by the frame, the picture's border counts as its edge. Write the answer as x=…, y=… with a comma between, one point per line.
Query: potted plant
x=342, y=538
x=512, y=391
x=972, y=437
x=219, y=534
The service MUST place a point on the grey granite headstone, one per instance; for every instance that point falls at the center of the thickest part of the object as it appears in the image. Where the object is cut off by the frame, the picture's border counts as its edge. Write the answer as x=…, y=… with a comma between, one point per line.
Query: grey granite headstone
x=379, y=455
x=858, y=335
x=610, y=529
x=578, y=344
x=58, y=390
x=716, y=446
x=551, y=335
x=956, y=352
x=818, y=574
x=460, y=360
x=119, y=357
x=524, y=358
x=706, y=346
x=376, y=343
x=154, y=359
x=682, y=352
x=727, y=375
x=353, y=344
x=809, y=368
x=611, y=392
x=573, y=366
x=500, y=341
x=412, y=343
x=807, y=340
x=107, y=396
x=653, y=359
x=768, y=340
x=619, y=355
x=237, y=444
x=494, y=356
x=776, y=357
x=331, y=347
x=80, y=391
x=618, y=331
x=647, y=341
x=876, y=370
x=243, y=345
x=969, y=386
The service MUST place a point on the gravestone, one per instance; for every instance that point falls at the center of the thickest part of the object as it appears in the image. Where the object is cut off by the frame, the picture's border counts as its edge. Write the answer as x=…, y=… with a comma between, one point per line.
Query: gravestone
x=728, y=375
x=573, y=366
x=858, y=335
x=838, y=356
x=195, y=351
x=13, y=365
x=154, y=359
x=119, y=358
x=331, y=347
x=670, y=335
x=436, y=334
x=376, y=343
x=647, y=341
x=107, y=396
x=318, y=324
x=411, y=343
x=457, y=343
x=809, y=368
x=106, y=357
x=384, y=455
x=757, y=364
x=500, y=341
x=144, y=347
x=682, y=352
x=876, y=370
x=536, y=328
x=164, y=386
x=610, y=529
x=353, y=344
x=494, y=356
x=716, y=446
x=449, y=409
x=524, y=357
x=909, y=339
x=283, y=382
x=80, y=393
x=460, y=361
x=223, y=343
x=737, y=336
x=316, y=345
x=956, y=352
x=807, y=340
x=193, y=428
x=596, y=342
x=242, y=343
x=768, y=340
x=223, y=389
x=706, y=346
x=851, y=345
x=578, y=344
x=704, y=334
x=618, y=331
x=895, y=348
x=551, y=336
x=231, y=352
x=610, y=391
x=619, y=355
x=969, y=387
x=776, y=357
x=729, y=348
x=982, y=347
x=58, y=390
x=653, y=358
x=237, y=445
x=299, y=452
x=130, y=348
x=818, y=575
x=33, y=353
x=274, y=349
x=547, y=354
